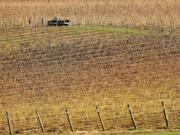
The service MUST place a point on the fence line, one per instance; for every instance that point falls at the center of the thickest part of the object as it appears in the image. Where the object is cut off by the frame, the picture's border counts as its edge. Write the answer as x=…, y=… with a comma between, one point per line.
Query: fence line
x=92, y=123
x=41, y=22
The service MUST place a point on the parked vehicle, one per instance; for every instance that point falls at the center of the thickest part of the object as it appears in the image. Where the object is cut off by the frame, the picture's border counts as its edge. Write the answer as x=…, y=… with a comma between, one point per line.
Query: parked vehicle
x=58, y=22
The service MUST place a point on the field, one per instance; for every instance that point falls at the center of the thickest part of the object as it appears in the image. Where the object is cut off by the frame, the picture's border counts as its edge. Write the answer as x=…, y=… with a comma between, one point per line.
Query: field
x=52, y=78
x=136, y=13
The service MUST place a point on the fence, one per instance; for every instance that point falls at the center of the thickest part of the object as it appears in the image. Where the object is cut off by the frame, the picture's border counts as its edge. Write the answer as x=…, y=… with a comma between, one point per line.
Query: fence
x=99, y=120
x=97, y=117
x=29, y=22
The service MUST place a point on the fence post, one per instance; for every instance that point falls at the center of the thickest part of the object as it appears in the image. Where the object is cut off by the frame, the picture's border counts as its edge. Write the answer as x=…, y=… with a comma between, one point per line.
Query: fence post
x=100, y=118
x=9, y=123
x=43, y=21
x=69, y=120
x=40, y=121
x=30, y=22
x=132, y=117
x=165, y=115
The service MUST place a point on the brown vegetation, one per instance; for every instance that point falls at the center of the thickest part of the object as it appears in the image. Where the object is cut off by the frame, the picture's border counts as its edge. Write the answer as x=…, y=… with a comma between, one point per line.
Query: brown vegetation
x=102, y=68
x=116, y=12
x=50, y=69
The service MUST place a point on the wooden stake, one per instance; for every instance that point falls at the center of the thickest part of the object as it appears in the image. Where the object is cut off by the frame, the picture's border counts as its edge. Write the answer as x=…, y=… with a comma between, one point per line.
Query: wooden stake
x=100, y=118
x=132, y=117
x=69, y=120
x=9, y=123
x=40, y=121
x=165, y=115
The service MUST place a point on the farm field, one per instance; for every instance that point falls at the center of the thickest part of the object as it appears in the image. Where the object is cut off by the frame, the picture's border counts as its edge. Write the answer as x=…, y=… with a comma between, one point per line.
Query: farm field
x=106, y=68
x=89, y=77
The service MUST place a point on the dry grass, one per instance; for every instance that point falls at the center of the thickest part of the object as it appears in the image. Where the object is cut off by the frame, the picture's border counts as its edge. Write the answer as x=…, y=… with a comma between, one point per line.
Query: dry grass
x=51, y=69
x=119, y=12
x=101, y=68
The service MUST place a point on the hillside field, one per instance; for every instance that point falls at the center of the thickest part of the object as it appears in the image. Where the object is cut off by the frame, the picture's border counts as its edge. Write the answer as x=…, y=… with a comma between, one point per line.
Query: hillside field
x=50, y=74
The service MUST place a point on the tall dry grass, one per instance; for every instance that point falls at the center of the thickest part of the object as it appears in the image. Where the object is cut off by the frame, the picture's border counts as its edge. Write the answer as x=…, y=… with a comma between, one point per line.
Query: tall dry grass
x=119, y=12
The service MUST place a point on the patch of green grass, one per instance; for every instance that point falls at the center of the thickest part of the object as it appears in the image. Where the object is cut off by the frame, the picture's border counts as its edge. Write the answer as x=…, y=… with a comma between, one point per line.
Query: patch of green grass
x=112, y=29
x=14, y=39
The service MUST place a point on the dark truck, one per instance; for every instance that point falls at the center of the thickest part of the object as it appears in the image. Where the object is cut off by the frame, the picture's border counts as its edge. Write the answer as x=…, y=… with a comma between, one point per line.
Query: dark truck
x=58, y=22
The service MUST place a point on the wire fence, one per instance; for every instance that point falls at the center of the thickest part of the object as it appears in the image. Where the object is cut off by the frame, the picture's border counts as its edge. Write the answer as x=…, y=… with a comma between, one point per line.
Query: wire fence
x=6, y=24
x=166, y=117
x=78, y=50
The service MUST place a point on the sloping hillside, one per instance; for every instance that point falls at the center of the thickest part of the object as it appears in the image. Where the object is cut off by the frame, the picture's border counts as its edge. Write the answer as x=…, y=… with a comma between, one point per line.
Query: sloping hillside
x=103, y=68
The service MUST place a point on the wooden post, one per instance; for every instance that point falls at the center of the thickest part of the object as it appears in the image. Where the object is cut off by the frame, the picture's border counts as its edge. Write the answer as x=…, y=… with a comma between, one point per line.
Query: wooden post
x=165, y=115
x=69, y=120
x=100, y=118
x=30, y=22
x=9, y=123
x=132, y=117
x=43, y=21
x=40, y=121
